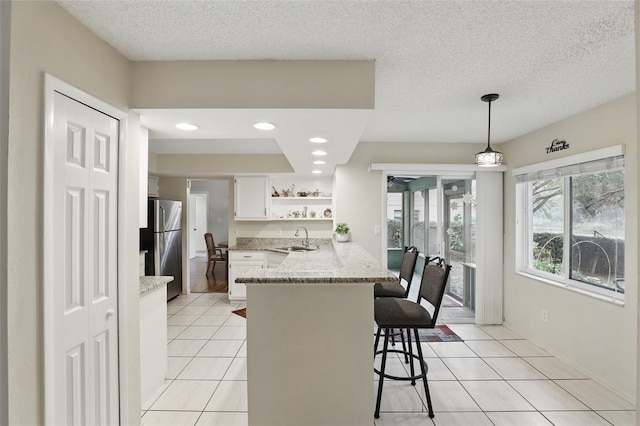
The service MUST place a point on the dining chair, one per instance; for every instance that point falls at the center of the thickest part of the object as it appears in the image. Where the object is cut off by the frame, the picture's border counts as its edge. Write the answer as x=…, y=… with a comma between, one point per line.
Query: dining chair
x=214, y=254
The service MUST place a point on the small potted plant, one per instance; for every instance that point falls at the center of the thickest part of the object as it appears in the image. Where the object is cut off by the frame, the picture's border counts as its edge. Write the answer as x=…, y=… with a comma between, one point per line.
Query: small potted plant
x=342, y=232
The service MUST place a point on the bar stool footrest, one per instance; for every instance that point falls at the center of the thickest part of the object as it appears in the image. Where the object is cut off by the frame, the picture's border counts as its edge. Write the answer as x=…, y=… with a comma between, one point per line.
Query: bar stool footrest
x=412, y=378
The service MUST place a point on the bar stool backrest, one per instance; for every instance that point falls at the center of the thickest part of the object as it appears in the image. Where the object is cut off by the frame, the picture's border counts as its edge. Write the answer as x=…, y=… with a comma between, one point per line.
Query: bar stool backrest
x=409, y=260
x=433, y=283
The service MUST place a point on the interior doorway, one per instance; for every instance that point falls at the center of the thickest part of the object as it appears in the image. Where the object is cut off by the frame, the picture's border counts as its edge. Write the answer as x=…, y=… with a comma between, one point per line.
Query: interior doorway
x=208, y=211
x=436, y=214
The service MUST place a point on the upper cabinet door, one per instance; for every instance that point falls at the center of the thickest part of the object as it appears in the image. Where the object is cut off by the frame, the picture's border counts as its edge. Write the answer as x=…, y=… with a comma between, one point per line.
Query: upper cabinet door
x=251, y=197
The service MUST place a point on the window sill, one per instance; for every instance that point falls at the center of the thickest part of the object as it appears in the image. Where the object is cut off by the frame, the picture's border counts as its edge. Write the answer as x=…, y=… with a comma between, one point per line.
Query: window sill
x=578, y=290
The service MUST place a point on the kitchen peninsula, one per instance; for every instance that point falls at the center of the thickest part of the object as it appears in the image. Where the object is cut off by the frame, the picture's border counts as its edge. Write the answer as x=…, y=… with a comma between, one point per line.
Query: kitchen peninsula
x=310, y=334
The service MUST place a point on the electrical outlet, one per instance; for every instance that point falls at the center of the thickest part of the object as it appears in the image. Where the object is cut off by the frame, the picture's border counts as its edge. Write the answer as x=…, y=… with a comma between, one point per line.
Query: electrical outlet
x=545, y=316
x=235, y=232
x=278, y=231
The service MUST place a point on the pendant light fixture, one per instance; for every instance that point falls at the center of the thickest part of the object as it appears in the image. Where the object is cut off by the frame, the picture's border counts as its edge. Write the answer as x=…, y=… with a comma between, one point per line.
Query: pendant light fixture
x=489, y=157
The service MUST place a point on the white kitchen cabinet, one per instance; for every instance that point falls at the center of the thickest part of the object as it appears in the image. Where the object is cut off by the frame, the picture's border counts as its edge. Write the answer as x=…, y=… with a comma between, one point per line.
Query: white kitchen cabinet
x=240, y=262
x=251, y=197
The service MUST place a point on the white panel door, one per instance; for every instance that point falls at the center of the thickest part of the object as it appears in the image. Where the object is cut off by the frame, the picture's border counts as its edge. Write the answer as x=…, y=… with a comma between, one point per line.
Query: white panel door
x=85, y=268
x=201, y=221
x=191, y=209
x=198, y=218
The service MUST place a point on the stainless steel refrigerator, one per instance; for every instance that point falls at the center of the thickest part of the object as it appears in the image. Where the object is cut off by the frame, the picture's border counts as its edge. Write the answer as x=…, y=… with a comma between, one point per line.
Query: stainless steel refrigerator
x=163, y=241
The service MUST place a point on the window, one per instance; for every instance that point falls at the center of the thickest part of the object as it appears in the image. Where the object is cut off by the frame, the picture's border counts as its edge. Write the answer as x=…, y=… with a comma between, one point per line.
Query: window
x=572, y=224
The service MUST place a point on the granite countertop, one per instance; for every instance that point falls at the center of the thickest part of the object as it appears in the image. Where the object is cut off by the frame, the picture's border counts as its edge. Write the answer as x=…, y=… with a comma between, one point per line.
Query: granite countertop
x=331, y=263
x=148, y=284
x=272, y=244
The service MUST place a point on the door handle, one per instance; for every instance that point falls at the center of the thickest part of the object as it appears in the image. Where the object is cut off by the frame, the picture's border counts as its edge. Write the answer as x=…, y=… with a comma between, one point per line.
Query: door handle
x=110, y=313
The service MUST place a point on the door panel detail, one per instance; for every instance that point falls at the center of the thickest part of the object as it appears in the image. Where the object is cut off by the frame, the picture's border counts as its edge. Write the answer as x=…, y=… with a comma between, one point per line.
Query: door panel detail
x=100, y=244
x=74, y=249
x=75, y=372
x=102, y=151
x=101, y=378
x=75, y=145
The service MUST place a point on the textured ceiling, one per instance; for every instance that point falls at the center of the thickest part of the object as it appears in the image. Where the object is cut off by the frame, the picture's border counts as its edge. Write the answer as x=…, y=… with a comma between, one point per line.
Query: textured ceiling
x=434, y=59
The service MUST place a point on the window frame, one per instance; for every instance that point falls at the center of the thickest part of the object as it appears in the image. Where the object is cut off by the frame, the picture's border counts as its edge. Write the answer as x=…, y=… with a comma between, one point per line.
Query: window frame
x=524, y=231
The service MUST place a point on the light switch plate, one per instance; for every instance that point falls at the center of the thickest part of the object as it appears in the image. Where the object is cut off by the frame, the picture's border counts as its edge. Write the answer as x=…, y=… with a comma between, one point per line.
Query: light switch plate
x=376, y=230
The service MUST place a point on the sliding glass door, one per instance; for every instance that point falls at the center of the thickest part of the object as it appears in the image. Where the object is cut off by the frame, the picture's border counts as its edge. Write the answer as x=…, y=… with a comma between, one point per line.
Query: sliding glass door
x=436, y=214
x=459, y=242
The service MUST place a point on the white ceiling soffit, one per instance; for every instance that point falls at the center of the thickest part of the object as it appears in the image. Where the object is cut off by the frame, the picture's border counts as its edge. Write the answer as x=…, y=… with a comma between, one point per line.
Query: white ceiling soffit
x=231, y=131
x=434, y=59
x=217, y=146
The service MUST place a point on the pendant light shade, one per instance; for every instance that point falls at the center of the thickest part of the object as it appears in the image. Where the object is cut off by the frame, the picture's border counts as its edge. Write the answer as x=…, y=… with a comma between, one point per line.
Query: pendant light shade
x=489, y=157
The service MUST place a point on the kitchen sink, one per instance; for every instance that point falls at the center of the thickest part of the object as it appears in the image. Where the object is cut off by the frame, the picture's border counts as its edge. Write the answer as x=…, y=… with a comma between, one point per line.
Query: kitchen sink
x=297, y=248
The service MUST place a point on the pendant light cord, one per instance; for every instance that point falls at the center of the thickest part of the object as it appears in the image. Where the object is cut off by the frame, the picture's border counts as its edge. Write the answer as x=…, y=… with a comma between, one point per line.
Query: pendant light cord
x=489, y=128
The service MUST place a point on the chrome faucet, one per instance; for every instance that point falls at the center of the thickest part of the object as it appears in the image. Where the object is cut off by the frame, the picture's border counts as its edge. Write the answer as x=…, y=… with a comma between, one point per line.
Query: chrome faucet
x=305, y=241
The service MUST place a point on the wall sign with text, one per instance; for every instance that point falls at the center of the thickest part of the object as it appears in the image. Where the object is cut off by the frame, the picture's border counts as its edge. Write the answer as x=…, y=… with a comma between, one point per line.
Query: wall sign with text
x=556, y=145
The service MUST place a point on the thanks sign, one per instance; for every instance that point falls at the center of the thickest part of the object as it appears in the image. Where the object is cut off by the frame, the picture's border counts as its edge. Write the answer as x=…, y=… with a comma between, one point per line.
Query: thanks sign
x=556, y=145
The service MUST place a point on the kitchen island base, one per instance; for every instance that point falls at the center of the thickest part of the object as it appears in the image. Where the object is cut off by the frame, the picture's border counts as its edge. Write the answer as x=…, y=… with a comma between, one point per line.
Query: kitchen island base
x=310, y=354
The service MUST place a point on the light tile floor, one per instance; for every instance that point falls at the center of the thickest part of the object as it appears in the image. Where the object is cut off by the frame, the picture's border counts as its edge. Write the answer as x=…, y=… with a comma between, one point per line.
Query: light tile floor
x=494, y=377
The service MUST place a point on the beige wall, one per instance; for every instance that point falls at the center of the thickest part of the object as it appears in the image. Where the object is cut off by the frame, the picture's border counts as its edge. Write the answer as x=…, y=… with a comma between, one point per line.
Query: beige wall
x=44, y=38
x=636, y=271
x=153, y=163
x=204, y=166
x=598, y=337
x=254, y=84
x=5, y=35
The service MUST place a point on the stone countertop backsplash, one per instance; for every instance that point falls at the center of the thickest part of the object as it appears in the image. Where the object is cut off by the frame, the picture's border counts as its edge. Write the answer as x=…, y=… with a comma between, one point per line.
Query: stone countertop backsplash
x=148, y=284
x=331, y=263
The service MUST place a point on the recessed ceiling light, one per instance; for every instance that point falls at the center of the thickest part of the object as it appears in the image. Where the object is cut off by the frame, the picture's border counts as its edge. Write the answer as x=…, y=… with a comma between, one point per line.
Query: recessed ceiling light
x=316, y=172
x=187, y=126
x=319, y=162
x=318, y=140
x=264, y=125
x=319, y=153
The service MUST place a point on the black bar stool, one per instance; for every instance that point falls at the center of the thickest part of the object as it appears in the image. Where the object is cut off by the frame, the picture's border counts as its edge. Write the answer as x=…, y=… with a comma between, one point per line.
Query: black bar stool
x=397, y=289
x=397, y=313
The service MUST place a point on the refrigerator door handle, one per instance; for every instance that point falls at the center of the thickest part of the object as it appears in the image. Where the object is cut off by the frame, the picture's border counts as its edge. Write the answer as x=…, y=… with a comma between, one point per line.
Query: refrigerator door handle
x=163, y=219
x=158, y=252
x=164, y=244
